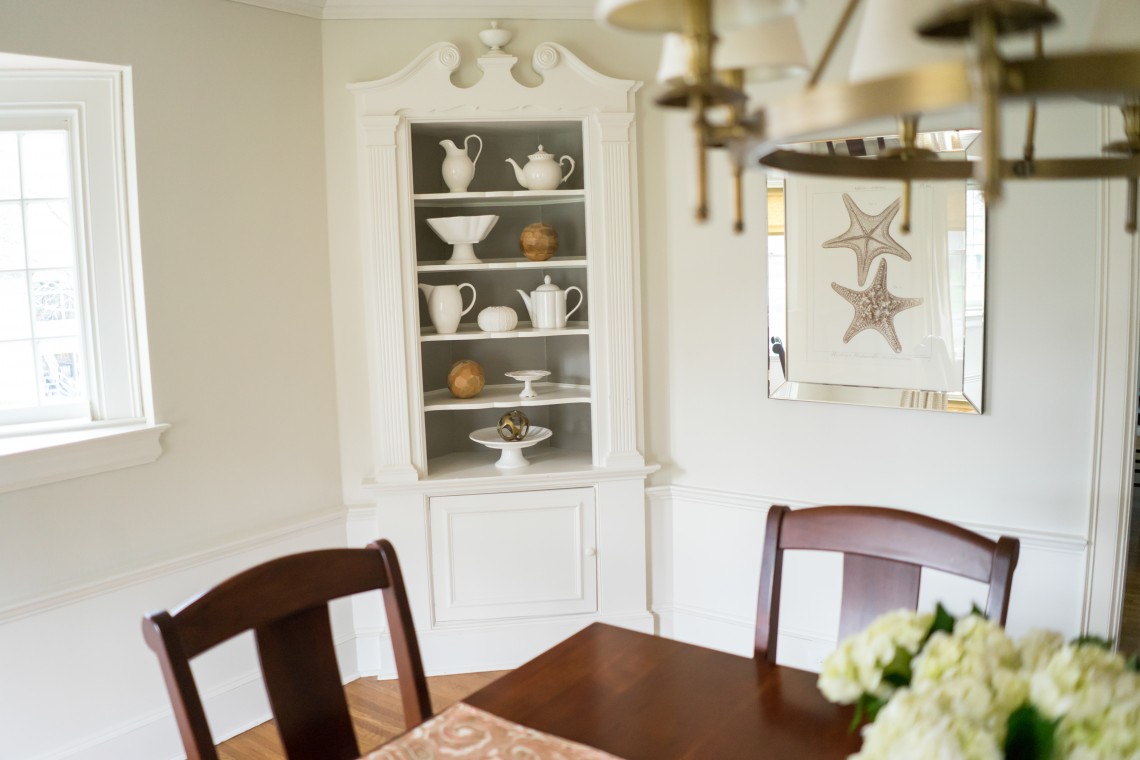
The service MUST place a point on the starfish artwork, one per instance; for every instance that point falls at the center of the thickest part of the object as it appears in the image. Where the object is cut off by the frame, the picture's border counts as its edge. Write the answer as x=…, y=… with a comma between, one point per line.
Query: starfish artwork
x=875, y=308
x=868, y=236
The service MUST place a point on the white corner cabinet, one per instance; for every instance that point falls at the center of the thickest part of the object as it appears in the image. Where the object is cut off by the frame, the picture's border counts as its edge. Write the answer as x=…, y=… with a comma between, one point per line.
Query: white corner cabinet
x=501, y=562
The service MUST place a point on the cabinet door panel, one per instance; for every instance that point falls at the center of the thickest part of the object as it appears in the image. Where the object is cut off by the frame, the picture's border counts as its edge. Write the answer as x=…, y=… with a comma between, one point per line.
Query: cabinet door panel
x=513, y=554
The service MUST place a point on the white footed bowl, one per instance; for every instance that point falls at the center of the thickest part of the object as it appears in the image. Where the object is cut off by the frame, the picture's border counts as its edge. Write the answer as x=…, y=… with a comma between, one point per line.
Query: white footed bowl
x=462, y=232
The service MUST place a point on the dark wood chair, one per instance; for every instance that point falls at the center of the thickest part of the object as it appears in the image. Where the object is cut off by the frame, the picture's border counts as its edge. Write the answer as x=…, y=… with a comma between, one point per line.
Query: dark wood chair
x=285, y=603
x=884, y=551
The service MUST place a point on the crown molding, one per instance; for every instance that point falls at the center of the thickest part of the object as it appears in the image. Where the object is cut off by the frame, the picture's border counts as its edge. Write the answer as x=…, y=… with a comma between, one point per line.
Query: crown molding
x=431, y=9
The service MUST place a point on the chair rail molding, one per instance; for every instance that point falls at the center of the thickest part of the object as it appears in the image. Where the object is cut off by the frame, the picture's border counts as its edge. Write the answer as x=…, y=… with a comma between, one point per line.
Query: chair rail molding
x=431, y=9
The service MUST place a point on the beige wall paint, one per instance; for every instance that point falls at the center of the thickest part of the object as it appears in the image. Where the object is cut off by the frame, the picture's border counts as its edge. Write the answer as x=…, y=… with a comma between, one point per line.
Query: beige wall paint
x=234, y=246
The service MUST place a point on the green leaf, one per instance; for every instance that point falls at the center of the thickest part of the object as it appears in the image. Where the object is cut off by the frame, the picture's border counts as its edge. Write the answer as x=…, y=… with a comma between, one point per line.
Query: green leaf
x=943, y=621
x=1029, y=735
x=897, y=672
x=976, y=610
x=867, y=707
x=1133, y=663
x=1095, y=641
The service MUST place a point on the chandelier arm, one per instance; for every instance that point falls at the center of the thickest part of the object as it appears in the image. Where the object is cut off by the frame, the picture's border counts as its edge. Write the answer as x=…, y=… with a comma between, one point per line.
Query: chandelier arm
x=1073, y=168
x=833, y=43
x=796, y=162
x=1031, y=121
x=1130, y=222
x=1111, y=76
x=936, y=87
x=990, y=79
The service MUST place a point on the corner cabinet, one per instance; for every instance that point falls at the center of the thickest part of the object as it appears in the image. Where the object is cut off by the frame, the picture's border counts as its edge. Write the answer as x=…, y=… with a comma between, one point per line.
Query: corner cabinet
x=502, y=563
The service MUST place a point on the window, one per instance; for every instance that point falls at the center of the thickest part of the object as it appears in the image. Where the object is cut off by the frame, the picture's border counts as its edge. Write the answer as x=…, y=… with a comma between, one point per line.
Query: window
x=72, y=345
x=42, y=373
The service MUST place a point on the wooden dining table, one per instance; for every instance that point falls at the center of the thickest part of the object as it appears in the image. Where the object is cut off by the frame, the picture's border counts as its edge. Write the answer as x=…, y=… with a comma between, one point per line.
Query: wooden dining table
x=635, y=696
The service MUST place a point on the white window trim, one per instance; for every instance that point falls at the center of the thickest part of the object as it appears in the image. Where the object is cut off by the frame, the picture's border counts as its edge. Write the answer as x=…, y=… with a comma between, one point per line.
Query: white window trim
x=124, y=432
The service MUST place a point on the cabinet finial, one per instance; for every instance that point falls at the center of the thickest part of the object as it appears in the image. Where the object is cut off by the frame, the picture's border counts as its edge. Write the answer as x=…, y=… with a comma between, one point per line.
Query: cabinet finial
x=495, y=38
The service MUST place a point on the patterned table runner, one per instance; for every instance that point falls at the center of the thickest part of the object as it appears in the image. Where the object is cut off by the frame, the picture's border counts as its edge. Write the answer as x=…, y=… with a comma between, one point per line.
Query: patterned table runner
x=463, y=731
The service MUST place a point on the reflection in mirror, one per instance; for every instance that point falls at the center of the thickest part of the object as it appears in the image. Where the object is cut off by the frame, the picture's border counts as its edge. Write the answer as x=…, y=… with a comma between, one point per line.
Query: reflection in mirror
x=860, y=312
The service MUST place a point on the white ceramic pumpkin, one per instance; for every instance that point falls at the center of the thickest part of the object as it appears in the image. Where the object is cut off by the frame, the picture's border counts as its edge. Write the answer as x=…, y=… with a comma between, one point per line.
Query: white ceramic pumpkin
x=498, y=319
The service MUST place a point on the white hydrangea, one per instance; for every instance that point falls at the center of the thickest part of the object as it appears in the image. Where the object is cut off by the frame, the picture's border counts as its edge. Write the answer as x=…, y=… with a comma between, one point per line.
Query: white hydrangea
x=977, y=648
x=1037, y=647
x=929, y=725
x=965, y=685
x=1097, y=700
x=856, y=666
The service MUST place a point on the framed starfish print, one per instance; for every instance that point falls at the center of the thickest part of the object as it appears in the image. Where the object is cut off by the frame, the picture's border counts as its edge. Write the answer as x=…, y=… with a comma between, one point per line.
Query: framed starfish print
x=862, y=311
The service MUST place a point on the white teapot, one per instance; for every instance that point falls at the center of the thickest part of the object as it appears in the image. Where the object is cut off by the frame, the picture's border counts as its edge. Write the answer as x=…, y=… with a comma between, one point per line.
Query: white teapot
x=541, y=172
x=546, y=305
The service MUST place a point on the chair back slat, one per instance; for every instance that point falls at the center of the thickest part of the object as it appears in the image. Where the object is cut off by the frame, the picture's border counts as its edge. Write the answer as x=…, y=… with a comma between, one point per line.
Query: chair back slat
x=285, y=603
x=298, y=662
x=872, y=586
x=884, y=552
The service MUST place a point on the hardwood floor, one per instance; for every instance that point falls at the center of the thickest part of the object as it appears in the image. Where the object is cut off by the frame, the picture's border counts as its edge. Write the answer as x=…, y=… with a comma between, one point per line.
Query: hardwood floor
x=1130, y=617
x=376, y=714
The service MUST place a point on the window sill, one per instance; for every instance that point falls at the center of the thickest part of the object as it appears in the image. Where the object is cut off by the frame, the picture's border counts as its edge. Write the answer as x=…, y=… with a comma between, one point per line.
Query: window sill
x=36, y=460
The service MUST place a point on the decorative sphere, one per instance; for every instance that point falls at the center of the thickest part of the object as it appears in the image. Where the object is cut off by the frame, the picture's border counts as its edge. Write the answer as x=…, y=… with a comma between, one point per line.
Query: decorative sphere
x=466, y=378
x=538, y=241
x=513, y=426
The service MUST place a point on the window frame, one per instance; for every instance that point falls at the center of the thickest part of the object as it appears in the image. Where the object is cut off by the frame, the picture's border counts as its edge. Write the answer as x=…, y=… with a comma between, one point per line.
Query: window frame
x=121, y=430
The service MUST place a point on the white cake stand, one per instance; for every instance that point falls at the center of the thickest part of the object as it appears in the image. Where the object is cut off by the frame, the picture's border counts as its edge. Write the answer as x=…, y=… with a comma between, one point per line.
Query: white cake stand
x=512, y=457
x=528, y=376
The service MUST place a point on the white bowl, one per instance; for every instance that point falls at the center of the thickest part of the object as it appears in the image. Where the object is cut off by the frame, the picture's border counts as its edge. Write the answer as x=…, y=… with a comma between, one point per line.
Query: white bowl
x=463, y=232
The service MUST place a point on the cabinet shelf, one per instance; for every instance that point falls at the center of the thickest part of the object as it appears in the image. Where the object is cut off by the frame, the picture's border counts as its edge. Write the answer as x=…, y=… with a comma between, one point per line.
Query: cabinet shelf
x=498, y=198
x=544, y=461
x=568, y=262
x=507, y=396
x=471, y=331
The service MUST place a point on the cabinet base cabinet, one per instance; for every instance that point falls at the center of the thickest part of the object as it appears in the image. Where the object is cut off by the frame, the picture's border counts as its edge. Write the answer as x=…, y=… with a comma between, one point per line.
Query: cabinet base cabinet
x=509, y=555
x=496, y=578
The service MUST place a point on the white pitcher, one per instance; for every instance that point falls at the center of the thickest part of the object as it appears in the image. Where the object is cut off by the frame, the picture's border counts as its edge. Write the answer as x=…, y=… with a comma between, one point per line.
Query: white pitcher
x=458, y=166
x=445, y=305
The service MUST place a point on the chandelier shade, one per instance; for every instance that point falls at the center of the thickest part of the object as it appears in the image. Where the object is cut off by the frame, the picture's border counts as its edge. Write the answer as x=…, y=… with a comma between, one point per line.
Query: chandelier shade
x=765, y=52
x=887, y=45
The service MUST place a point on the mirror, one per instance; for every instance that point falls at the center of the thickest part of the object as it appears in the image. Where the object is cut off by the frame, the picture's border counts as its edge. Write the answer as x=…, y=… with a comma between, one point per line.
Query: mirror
x=860, y=312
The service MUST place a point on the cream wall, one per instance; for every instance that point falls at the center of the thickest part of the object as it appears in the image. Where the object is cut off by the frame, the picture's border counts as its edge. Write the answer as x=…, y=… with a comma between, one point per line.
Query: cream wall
x=231, y=205
x=227, y=102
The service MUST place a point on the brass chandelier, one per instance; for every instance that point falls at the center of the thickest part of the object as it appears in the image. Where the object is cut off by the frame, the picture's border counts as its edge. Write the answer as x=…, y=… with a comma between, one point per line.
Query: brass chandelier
x=980, y=78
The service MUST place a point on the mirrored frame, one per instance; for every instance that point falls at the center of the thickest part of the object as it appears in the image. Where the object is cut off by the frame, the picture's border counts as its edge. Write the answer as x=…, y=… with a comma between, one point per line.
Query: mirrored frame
x=860, y=312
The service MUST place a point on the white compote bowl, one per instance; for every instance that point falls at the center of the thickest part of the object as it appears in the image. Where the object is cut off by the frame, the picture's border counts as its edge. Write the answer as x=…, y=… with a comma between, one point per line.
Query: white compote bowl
x=512, y=457
x=528, y=376
x=463, y=232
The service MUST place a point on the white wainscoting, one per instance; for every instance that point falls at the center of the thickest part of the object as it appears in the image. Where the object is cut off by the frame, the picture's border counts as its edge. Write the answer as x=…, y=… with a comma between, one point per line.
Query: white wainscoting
x=705, y=558
x=78, y=681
